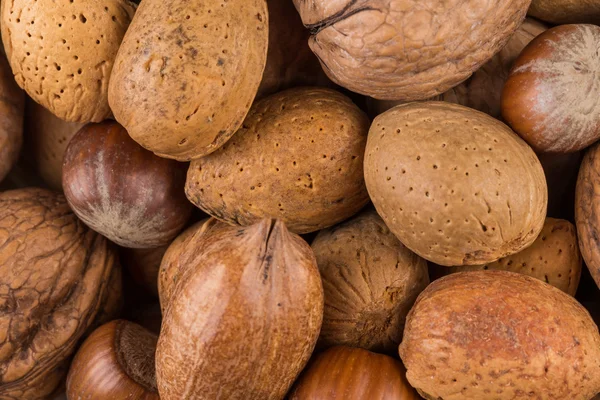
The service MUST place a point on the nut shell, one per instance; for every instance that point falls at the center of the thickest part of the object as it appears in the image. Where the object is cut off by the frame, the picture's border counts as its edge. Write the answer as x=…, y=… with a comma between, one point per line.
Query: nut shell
x=553, y=258
x=297, y=157
x=62, y=52
x=245, y=316
x=443, y=178
x=408, y=50
x=351, y=373
x=196, y=66
x=12, y=104
x=501, y=335
x=551, y=97
x=370, y=281
x=57, y=278
x=566, y=11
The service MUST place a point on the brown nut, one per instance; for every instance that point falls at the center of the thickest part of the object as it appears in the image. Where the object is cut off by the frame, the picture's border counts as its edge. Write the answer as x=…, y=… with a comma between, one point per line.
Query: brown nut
x=57, y=278
x=62, y=52
x=297, y=157
x=551, y=98
x=196, y=66
x=408, y=50
x=370, y=281
x=48, y=136
x=553, y=258
x=143, y=265
x=443, y=178
x=12, y=104
x=351, y=373
x=483, y=90
x=500, y=335
x=115, y=362
x=566, y=11
x=245, y=316
x=123, y=191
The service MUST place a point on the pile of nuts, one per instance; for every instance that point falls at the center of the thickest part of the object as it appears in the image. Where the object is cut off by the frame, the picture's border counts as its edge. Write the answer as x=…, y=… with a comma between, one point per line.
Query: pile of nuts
x=299, y=199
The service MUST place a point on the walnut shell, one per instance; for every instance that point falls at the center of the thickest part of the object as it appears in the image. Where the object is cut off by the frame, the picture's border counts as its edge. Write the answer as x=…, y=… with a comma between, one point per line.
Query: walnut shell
x=483, y=90
x=62, y=52
x=551, y=96
x=407, y=50
x=48, y=136
x=12, y=104
x=500, y=335
x=57, y=278
x=351, y=373
x=245, y=316
x=553, y=258
x=297, y=157
x=370, y=281
x=194, y=65
x=455, y=185
x=566, y=11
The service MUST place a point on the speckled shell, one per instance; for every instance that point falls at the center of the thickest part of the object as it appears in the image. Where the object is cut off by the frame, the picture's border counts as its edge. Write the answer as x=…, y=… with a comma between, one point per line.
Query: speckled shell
x=370, y=281
x=455, y=185
x=566, y=11
x=245, y=316
x=62, y=52
x=407, y=50
x=187, y=73
x=12, y=104
x=500, y=335
x=554, y=258
x=297, y=157
x=551, y=96
x=347, y=373
x=56, y=280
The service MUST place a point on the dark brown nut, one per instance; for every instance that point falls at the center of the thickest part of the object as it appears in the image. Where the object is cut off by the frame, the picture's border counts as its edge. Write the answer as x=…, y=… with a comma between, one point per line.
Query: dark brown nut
x=408, y=50
x=115, y=362
x=62, y=52
x=554, y=258
x=56, y=279
x=297, y=157
x=455, y=185
x=123, y=191
x=48, y=137
x=483, y=90
x=187, y=73
x=500, y=335
x=370, y=281
x=245, y=316
x=351, y=373
x=551, y=96
x=143, y=265
x=12, y=104
x=566, y=11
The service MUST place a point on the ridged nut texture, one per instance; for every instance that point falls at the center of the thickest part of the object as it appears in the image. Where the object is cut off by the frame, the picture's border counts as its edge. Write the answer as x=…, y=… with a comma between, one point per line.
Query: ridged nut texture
x=500, y=335
x=352, y=373
x=370, y=280
x=483, y=90
x=407, y=50
x=554, y=257
x=187, y=73
x=62, y=52
x=56, y=280
x=297, y=157
x=566, y=11
x=455, y=185
x=552, y=96
x=243, y=319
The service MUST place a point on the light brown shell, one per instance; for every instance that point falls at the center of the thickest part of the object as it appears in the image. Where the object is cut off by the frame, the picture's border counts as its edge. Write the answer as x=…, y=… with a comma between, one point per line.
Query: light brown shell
x=370, y=282
x=245, y=316
x=407, y=50
x=187, y=73
x=500, y=335
x=297, y=157
x=455, y=185
x=566, y=11
x=483, y=90
x=62, y=52
x=12, y=104
x=553, y=258
x=49, y=137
